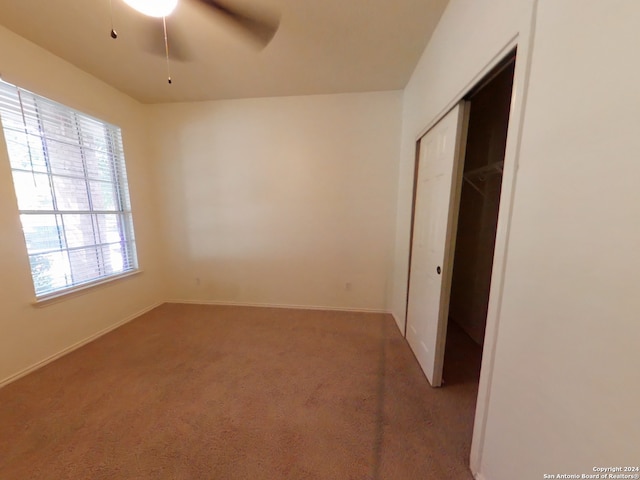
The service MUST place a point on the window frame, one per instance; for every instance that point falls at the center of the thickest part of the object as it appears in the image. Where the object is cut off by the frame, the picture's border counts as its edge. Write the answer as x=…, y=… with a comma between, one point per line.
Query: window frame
x=115, y=182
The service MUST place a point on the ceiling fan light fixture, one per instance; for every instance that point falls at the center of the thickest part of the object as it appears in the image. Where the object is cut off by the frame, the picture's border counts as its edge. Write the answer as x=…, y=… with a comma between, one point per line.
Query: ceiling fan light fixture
x=153, y=8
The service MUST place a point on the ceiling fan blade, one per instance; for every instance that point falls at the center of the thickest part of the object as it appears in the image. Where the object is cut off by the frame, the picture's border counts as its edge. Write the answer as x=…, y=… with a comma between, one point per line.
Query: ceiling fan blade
x=260, y=26
x=151, y=39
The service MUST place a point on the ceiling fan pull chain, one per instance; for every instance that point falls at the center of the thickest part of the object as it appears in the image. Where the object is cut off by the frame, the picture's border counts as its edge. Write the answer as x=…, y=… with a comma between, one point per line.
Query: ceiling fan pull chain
x=114, y=34
x=166, y=48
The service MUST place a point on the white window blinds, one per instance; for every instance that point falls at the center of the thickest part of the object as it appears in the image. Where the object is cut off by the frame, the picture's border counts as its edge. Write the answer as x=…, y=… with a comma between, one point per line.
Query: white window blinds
x=70, y=181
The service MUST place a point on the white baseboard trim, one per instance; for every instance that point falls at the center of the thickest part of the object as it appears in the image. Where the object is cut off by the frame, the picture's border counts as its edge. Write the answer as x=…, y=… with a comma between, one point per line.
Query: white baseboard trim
x=75, y=346
x=272, y=305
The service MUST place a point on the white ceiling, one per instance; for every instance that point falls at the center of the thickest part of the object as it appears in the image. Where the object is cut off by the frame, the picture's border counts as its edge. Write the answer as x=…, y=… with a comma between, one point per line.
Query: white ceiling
x=322, y=46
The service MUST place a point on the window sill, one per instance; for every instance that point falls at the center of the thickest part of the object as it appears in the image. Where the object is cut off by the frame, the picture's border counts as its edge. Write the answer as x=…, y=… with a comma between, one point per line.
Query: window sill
x=56, y=297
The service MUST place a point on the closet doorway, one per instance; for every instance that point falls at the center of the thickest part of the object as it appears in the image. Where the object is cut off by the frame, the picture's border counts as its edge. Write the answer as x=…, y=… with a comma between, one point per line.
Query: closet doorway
x=477, y=222
x=453, y=244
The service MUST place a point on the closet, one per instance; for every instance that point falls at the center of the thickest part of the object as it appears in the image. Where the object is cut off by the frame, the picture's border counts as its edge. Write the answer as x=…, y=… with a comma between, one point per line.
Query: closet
x=479, y=204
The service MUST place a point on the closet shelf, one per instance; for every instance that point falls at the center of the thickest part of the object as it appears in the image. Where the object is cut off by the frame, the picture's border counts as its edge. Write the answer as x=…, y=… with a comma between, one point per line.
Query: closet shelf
x=481, y=174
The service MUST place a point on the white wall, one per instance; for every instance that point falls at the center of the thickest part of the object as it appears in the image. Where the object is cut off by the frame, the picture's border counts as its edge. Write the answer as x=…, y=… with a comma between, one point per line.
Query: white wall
x=566, y=385
x=565, y=390
x=31, y=334
x=280, y=201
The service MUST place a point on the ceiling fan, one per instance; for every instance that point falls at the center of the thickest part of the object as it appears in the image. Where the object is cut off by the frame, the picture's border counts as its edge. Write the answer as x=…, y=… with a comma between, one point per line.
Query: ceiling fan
x=260, y=27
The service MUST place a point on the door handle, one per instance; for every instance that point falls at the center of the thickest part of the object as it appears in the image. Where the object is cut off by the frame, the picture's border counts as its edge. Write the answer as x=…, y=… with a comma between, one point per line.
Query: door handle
x=438, y=270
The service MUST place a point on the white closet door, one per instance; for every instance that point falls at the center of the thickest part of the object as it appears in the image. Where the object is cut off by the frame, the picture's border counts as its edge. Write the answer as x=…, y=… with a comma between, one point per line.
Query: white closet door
x=434, y=231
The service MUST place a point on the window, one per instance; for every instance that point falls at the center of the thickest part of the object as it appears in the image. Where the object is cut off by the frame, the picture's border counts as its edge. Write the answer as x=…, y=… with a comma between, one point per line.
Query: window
x=70, y=181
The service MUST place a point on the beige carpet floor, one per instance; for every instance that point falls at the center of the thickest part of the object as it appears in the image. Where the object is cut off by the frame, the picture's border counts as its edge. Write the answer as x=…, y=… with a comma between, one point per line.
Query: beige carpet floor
x=211, y=392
